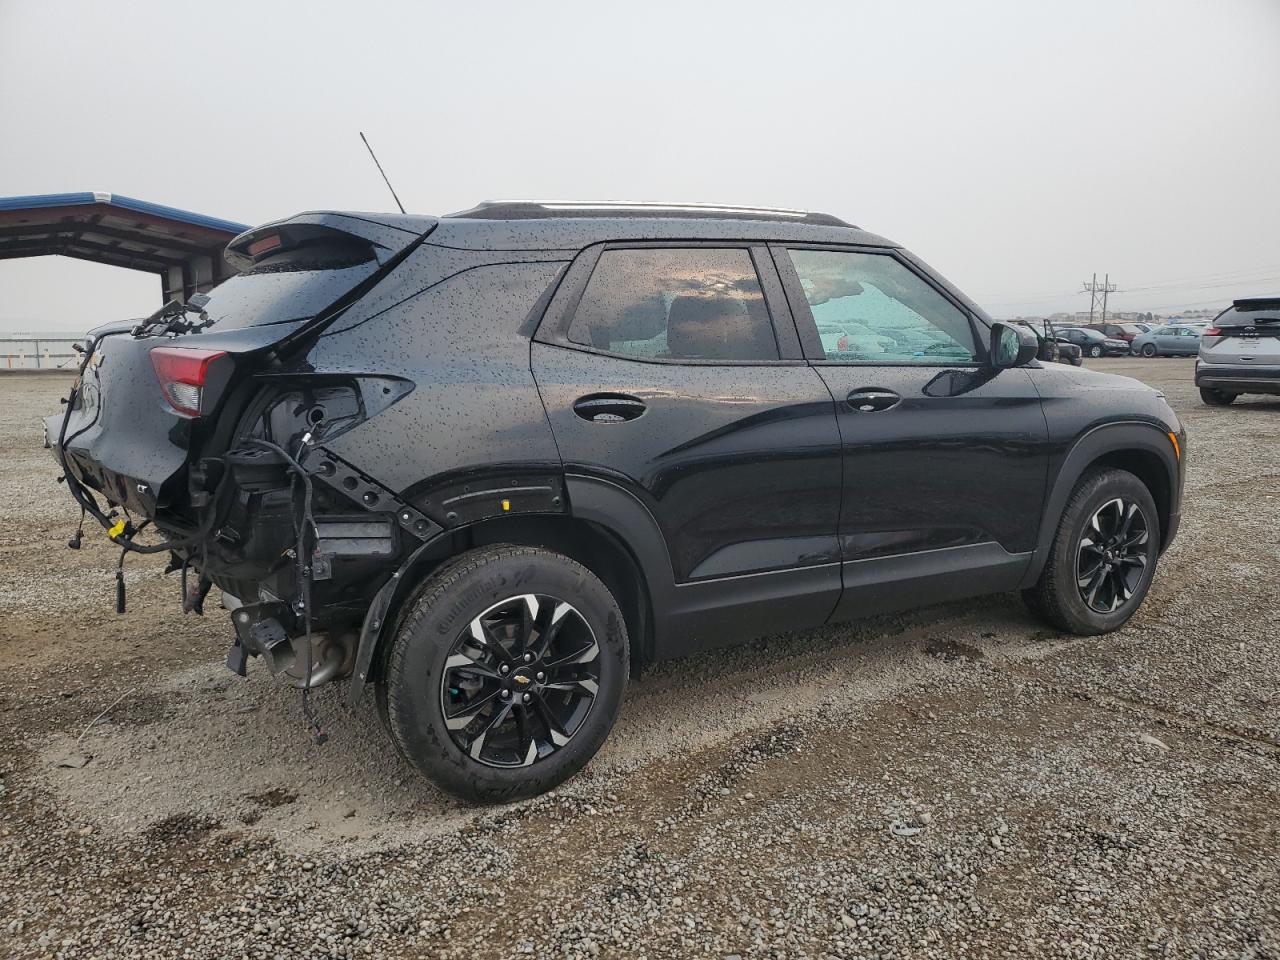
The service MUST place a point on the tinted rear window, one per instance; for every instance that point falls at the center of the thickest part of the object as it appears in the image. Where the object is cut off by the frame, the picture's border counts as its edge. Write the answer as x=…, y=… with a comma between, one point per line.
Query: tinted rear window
x=295, y=285
x=1248, y=318
x=697, y=303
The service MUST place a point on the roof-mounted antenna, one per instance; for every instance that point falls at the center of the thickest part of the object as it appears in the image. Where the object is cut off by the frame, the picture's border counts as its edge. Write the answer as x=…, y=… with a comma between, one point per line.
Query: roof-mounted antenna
x=381, y=171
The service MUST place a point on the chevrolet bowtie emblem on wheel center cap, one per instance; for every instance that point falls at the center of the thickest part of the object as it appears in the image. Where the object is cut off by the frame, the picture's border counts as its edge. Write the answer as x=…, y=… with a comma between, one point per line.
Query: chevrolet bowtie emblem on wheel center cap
x=521, y=678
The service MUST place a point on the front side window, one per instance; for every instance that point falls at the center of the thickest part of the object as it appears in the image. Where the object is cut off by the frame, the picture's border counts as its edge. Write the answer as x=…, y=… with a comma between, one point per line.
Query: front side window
x=695, y=303
x=869, y=308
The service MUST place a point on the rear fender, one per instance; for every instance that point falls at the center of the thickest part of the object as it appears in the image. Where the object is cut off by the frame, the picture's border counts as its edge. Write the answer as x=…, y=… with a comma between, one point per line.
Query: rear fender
x=604, y=505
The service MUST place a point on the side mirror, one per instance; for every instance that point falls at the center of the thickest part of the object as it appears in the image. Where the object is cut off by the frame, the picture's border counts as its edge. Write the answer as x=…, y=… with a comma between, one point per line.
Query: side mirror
x=1012, y=346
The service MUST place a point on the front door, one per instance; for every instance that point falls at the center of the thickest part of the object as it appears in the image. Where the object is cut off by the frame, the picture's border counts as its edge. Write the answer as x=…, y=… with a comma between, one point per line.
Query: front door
x=675, y=373
x=945, y=459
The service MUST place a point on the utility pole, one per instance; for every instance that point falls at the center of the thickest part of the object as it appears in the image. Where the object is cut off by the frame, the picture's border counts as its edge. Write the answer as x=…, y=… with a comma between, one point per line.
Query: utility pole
x=1098, y=294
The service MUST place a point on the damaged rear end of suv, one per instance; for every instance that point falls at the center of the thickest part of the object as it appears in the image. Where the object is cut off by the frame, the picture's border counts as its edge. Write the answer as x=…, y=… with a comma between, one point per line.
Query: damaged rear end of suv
x=207, y=423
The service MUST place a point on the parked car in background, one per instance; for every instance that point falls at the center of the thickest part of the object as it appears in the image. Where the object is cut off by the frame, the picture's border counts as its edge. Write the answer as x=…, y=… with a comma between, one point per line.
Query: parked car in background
x=1068, y=352
x=1116, y=331
x=1054, y=348
x=1179, y=340
x=1095, y=344
x=490, y=463
x=1240, y=352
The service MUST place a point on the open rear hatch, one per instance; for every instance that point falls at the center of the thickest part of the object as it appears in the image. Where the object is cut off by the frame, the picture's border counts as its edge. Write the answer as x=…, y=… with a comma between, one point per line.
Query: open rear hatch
x=156, y=394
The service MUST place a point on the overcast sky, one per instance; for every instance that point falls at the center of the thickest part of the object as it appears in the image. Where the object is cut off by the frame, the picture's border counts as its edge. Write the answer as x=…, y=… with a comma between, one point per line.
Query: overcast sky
x=1018, y=147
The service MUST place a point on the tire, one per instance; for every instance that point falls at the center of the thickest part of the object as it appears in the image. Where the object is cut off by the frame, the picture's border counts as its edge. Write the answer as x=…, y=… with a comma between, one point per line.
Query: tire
x=1216, y=398
x=1149, y=350
x=575, y=670
x=1095, y=351
x=1077, y=361
x=1058, y=596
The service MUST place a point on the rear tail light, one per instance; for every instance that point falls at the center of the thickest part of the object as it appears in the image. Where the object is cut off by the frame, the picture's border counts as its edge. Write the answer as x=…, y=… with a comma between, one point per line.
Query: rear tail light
x=1213, y=331
x=184, y=373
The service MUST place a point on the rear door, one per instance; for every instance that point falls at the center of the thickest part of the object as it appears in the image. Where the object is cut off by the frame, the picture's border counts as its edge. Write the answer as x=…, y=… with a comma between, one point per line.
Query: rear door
x=945, y=459
x=674, y=372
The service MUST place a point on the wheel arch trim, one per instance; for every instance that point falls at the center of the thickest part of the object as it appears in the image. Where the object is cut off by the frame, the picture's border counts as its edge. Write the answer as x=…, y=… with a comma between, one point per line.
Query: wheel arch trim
x=1133, y=437
x=599, y=503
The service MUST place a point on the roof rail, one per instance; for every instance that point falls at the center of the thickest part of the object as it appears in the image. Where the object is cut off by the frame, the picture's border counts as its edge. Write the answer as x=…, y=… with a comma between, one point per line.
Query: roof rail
x=530, y=209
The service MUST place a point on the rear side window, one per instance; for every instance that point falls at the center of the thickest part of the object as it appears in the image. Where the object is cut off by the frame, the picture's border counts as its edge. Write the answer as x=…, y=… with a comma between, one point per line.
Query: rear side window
x=293, y=285
x=869, y=308
x=696, y=303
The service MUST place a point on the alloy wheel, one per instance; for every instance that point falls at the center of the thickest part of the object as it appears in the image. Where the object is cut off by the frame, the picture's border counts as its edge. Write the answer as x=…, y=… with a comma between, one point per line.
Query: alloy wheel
x=1112, y=557
x=520, y=680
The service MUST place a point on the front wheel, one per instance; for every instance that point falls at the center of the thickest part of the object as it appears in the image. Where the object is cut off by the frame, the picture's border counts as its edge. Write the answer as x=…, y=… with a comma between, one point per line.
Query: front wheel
x=1095, y=351
x=1216, y=398
x=507, y=673
x=1148, y=349
x=1103, y=556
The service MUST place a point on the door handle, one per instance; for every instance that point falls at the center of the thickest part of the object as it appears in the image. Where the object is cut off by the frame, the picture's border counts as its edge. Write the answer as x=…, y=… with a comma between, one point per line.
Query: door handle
x=608, y=408
x=872, y=400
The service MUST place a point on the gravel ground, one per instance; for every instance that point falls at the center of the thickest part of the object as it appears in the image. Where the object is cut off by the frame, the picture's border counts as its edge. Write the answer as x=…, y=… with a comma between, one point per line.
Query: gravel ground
x=957, y=782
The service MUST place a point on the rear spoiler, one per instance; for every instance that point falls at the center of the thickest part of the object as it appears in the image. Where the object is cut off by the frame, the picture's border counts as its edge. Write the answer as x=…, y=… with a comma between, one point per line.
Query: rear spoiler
x=386, y=234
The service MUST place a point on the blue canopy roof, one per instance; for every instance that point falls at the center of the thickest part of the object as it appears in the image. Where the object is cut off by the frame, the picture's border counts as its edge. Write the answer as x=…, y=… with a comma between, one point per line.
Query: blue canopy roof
x=184, y=248
x=40, y=201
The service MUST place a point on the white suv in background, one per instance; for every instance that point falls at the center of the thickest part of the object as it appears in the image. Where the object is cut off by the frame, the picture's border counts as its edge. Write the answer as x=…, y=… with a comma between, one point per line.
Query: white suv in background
x=1240, y=352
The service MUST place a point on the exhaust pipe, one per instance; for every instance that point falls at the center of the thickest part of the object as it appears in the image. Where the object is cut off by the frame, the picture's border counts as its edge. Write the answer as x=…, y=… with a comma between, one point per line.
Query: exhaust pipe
x=332, y=655
x=332, y=658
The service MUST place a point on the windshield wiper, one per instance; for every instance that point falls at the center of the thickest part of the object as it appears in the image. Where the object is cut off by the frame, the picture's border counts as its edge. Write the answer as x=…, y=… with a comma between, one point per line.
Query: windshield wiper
x=173, y=318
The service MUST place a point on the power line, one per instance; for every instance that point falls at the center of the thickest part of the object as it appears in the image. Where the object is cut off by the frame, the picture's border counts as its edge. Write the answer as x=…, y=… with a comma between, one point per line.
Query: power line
x=1201, y=285
x=1192, y=283
x=1215, y=275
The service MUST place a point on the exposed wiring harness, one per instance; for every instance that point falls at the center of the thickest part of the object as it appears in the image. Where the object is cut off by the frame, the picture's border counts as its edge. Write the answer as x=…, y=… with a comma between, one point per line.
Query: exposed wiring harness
x=307, y=535
x=122, y=533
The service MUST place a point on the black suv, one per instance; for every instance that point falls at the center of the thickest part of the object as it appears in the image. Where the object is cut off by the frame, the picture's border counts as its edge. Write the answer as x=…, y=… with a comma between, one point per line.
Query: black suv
x=493, y=462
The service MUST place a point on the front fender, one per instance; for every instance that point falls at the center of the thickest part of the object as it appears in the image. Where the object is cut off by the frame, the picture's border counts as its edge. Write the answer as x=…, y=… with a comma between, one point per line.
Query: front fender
x=1108, y=439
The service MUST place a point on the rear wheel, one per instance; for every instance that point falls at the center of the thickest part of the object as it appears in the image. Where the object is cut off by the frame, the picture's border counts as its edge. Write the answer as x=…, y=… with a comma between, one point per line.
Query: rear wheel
x=1095, y=351
x=507, y=673
x=1103, y=556
x=1148, y=349
x=1216, y=398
